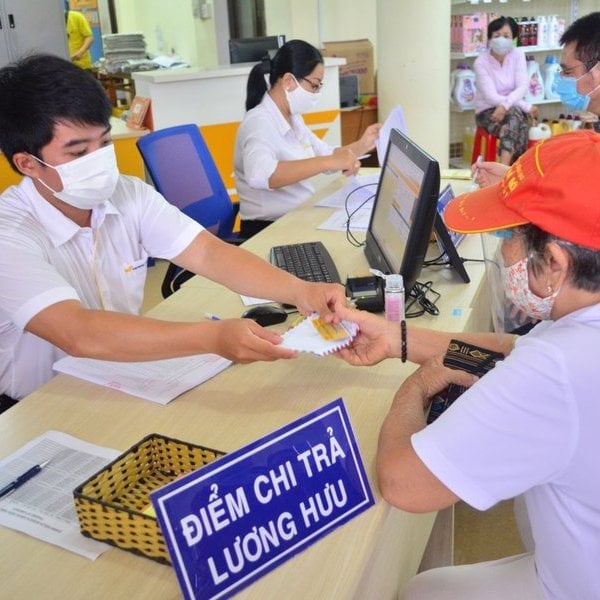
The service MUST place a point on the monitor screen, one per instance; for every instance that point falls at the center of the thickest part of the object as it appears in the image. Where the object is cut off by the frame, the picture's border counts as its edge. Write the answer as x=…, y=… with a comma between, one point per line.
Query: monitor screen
x=243, y=50
x=404, y=210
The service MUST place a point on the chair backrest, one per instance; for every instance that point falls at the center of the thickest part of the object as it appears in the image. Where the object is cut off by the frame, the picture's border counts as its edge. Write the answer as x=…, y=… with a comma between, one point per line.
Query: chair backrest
x=184, y=172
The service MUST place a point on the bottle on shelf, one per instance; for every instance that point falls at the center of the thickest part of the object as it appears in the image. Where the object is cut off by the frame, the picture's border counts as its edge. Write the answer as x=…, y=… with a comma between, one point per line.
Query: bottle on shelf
x=539, y=132
x=462, y=87
x=556, y=127
x=564, y=124
x=577, y=122
x=535, y=81
x=468, y=140
x=551, y=68
x=520, y=25
x=542, y=32
x=568, y=125
x=533, y=32
x=555, y=30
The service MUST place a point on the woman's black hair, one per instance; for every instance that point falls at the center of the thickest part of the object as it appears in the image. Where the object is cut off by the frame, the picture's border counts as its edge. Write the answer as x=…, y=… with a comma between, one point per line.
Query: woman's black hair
x=499, y=23
x=296, y=57
x=584, y=263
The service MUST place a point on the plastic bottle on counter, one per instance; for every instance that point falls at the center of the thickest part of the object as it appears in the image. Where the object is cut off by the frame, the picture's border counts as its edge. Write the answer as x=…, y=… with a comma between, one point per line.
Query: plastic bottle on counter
x=394, y=297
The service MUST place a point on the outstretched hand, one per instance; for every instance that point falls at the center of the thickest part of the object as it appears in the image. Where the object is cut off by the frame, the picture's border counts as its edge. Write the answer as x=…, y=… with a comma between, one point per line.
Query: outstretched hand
x=244, y=341
x=377, y=338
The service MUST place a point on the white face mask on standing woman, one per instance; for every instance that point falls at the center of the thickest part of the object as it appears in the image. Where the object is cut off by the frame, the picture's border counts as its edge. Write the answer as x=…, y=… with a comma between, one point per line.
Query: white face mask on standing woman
x=301, y=100
x=89, y=180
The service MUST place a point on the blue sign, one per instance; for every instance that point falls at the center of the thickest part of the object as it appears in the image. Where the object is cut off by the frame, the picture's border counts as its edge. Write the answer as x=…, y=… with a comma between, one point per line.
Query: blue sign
x=239, y=517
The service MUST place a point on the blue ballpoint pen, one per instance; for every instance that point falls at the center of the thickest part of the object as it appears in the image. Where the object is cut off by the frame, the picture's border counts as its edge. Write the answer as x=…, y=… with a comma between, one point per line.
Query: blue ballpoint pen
x=211, y=317
x=21, y=479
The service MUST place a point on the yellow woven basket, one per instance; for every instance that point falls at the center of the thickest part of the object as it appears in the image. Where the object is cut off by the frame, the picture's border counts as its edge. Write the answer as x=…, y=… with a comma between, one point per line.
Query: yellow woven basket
x=110, y=504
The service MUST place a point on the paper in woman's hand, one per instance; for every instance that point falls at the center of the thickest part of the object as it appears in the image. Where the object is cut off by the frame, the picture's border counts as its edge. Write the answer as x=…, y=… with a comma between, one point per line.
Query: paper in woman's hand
x=314, y=335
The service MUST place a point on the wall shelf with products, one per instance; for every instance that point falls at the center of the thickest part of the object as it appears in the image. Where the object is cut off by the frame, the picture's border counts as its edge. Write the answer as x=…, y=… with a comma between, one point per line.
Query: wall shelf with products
x=526, y=49
x=462, y=120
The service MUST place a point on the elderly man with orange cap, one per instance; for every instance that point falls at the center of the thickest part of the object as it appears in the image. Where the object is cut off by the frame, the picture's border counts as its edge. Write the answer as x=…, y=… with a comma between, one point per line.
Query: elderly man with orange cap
x=530, y=425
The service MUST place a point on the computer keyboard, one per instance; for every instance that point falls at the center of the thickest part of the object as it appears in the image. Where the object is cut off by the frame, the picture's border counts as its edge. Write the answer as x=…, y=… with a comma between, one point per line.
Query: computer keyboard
x=310, y=261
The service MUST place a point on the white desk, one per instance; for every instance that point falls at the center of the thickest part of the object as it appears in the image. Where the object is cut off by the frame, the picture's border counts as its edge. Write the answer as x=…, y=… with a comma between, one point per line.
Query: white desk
x=372, y=556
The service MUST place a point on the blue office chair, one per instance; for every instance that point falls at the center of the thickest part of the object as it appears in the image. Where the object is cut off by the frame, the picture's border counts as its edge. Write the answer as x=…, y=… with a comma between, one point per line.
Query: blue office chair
x=184, y=172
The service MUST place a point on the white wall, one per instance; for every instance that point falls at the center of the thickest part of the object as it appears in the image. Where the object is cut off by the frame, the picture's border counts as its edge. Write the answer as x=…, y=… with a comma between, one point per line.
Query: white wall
x=318, y=21
x=414, y=69
x=170, y=27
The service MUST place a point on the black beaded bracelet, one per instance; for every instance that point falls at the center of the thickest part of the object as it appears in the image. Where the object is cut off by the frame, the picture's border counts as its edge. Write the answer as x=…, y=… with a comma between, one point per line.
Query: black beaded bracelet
x=403, y=347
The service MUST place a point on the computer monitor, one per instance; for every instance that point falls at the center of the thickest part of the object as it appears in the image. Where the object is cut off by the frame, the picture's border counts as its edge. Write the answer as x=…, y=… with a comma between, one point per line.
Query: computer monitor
x=404, y=210
x=448, y=241
x=254, y=49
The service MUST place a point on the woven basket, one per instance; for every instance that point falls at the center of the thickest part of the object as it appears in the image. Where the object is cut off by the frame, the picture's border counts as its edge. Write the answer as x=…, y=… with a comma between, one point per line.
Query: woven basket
x=110, y=503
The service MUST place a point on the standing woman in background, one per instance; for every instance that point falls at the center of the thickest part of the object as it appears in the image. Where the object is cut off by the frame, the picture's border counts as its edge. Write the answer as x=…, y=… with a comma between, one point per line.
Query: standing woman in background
x=275, y=152
x=501, y=80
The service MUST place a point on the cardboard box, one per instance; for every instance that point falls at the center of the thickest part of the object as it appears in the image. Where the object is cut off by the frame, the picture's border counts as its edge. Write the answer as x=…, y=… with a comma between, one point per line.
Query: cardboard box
x=359, y=61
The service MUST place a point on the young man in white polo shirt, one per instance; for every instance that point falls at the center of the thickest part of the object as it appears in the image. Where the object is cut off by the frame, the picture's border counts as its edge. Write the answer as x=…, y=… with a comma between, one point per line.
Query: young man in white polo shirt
x=75, y=236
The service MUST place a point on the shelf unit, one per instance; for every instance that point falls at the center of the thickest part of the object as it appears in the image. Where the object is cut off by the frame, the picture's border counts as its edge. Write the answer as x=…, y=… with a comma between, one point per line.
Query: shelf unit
x=460, y=119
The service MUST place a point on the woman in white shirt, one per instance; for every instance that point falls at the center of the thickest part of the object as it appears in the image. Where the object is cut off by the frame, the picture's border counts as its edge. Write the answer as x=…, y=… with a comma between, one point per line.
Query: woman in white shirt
x=275, y=152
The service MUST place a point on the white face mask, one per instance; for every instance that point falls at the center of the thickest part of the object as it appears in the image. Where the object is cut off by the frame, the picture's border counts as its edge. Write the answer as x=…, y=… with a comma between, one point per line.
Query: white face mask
x=87, y=181
x=301, y=100
x=501, y=45
x=516, y=285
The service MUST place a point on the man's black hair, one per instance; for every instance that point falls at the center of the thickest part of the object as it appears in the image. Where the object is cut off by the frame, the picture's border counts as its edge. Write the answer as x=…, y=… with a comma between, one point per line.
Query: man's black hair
x=41, y=90
x=585, y=33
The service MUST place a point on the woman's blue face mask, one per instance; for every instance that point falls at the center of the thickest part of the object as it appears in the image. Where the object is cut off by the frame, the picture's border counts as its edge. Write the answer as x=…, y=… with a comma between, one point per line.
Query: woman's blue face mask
x=566, y=88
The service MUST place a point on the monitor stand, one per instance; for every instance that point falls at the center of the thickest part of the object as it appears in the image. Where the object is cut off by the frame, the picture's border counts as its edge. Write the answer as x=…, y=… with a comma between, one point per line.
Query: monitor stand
x=454, y=259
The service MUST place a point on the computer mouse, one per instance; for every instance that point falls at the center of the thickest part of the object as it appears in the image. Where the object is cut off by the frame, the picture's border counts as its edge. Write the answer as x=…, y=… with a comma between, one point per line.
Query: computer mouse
x=266, y=315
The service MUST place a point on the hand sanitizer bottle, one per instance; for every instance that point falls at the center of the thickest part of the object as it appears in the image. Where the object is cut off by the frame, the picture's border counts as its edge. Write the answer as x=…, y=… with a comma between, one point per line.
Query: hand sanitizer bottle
x=394, y=298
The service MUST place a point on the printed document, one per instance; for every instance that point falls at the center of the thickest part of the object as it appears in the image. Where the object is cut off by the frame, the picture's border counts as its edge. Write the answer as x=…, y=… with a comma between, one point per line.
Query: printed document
x=44, y=506
x=341, y=221
x=158, y=380
x=359, y=192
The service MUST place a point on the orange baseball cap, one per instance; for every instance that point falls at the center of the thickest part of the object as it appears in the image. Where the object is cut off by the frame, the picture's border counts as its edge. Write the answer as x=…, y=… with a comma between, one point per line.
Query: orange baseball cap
x=554, y=185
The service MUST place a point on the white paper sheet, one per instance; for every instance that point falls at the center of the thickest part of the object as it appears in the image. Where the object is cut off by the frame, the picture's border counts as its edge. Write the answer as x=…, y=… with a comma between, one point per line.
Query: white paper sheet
x=44, y=506
x=359, y=221
x=353, y=194
x=159, y=380
x=395, y=120
x=250, y=301
x=305, y=337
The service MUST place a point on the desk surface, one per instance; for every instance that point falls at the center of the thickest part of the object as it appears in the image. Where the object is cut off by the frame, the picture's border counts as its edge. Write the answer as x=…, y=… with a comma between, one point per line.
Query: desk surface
x=371, y=556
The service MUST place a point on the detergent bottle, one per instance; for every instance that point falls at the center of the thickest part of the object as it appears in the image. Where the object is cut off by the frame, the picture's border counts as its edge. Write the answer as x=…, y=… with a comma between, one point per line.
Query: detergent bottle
x=462, y=87
x=551, y=68
x=539, y=132
x=535, y=82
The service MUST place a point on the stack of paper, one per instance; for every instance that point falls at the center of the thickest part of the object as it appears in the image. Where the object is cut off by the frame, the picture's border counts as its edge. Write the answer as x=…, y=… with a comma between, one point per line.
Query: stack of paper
x=157, y=380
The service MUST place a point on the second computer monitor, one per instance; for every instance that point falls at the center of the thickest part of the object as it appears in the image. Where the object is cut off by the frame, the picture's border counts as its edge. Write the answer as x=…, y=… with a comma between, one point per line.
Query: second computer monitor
x=404, y=210
x=254, y=49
